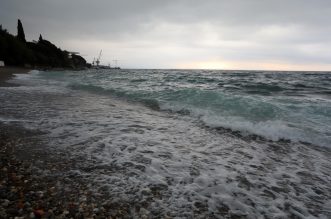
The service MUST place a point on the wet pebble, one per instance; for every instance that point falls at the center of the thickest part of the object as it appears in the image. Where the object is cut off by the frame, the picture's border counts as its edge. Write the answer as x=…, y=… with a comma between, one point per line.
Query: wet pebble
x=5, y=202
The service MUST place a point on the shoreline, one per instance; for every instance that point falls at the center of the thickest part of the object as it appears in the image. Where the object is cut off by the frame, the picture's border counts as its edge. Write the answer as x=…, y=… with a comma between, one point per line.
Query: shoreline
x=37, y=183
x=7, y=73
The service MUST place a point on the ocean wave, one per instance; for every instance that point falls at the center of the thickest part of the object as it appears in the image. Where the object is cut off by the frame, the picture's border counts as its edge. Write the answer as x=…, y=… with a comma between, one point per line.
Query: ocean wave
x=274, y=106
x=245, y=115
x=264, y=87
x=273, y=129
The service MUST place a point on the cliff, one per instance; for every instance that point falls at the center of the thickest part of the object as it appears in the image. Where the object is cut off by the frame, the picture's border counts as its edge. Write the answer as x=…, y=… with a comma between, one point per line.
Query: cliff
x=16, y=51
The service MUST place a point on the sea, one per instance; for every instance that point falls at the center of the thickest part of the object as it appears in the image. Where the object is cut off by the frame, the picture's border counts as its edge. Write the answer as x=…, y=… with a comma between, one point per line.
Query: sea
x=189, y=143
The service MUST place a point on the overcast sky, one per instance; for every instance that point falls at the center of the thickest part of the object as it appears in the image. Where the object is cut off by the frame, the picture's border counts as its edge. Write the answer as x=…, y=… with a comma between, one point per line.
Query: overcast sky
x=218, y=34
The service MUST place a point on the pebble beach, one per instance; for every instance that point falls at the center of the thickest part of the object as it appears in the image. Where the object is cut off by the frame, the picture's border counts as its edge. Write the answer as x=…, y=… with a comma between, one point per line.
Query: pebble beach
x=34, y=184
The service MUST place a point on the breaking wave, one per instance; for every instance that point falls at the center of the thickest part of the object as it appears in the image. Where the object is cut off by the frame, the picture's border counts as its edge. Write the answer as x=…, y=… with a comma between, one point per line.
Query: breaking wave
x=273, y=105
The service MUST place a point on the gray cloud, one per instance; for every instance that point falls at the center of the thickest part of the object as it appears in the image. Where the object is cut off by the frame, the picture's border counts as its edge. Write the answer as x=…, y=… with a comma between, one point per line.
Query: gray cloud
x=150, y=33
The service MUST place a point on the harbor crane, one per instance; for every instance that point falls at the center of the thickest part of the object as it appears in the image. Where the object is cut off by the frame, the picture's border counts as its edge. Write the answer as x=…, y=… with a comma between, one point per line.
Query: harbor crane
x=115, y=62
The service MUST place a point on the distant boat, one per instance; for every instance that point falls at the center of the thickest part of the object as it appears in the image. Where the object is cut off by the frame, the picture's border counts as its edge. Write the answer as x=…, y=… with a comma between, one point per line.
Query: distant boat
x=96, y=63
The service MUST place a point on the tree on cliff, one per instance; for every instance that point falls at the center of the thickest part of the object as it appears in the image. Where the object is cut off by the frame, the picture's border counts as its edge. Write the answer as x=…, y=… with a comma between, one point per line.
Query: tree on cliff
x=20, y=31
x=40, y=38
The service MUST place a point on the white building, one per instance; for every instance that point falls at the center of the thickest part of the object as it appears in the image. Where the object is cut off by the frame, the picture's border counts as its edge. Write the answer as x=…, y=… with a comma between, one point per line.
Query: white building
x=2, y=63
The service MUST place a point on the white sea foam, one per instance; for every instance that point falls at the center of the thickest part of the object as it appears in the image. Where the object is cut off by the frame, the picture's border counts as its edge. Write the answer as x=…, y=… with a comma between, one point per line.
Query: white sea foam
x=275, y=130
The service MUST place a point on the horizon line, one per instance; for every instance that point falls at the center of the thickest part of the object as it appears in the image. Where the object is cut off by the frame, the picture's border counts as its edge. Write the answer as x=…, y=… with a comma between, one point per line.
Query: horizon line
x=212, y=69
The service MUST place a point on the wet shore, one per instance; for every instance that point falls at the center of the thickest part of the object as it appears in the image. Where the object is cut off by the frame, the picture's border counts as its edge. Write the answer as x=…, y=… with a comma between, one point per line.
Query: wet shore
x=7, y=73
x=36, y=183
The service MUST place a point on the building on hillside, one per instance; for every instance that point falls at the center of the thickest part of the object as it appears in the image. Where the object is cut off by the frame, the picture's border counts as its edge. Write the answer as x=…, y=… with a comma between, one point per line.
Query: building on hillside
x=2, y=63
x=72, y=53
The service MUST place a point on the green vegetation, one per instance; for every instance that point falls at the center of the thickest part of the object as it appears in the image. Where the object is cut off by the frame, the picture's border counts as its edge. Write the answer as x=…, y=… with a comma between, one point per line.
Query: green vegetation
x=16, y=51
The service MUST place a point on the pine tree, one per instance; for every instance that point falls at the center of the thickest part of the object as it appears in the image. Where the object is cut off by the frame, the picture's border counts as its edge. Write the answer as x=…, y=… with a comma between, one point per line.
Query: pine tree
x=40, y=38
x=20, y=31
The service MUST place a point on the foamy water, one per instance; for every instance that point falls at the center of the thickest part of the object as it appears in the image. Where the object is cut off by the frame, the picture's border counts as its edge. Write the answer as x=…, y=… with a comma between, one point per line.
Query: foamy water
x=172, y=163
x=294, y=106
